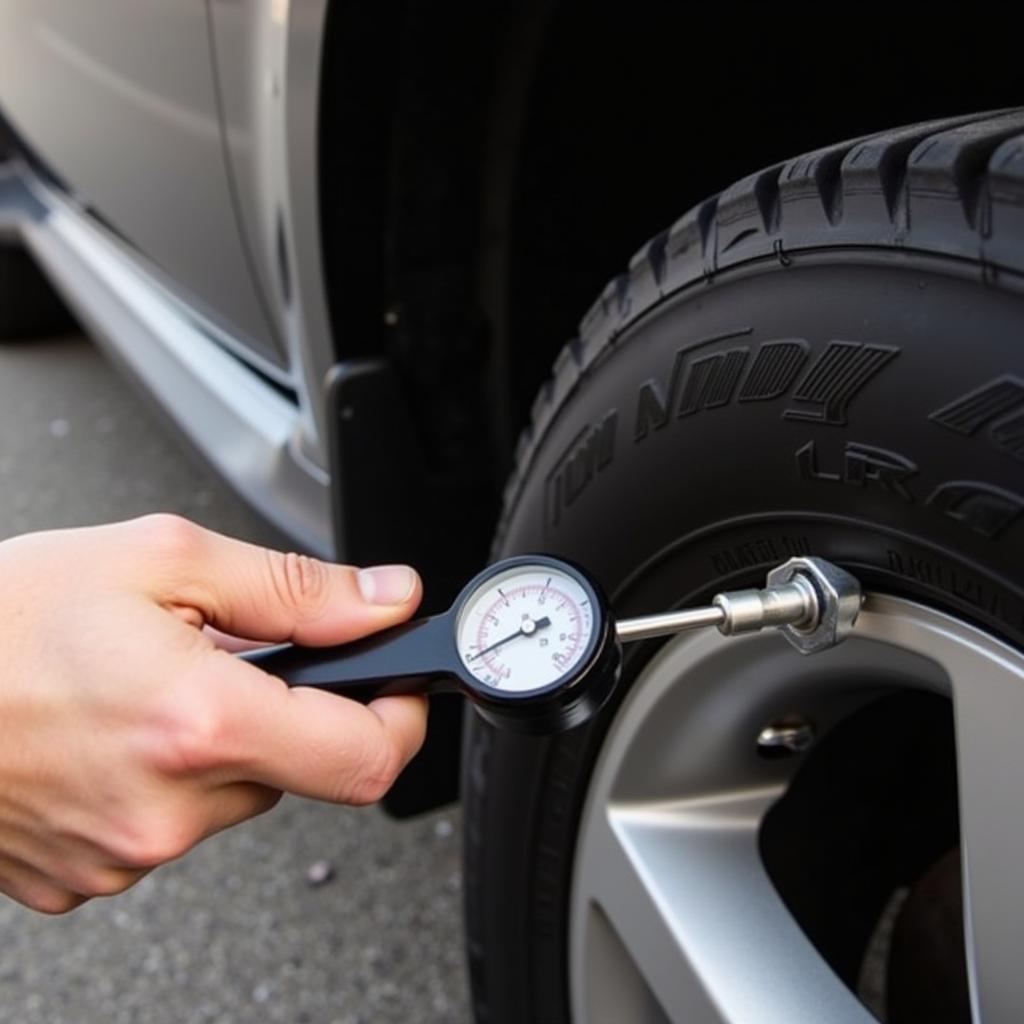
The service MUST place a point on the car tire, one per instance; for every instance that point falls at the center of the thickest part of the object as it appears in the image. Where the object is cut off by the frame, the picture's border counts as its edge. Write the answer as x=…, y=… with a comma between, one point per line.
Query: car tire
x=828, y=359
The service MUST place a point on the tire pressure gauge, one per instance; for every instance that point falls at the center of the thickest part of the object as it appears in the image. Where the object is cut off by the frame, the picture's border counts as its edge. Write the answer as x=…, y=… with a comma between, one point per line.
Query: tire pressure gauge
x=526, y=627
x=532, y=642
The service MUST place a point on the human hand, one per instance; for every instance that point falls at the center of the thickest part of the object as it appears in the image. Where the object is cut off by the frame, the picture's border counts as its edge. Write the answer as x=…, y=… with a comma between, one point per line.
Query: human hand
x=127, y=736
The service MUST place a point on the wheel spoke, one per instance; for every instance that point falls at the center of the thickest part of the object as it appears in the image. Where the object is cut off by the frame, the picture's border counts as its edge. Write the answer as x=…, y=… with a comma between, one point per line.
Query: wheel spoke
x=674, y=917
x=682, y=887
x=989, y=718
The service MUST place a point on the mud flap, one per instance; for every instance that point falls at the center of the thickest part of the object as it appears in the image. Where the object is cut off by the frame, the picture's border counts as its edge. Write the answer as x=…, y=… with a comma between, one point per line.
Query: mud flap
x=390, y=505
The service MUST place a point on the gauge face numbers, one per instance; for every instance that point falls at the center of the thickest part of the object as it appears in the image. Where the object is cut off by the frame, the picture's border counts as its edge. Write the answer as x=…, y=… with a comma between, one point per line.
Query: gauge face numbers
x=525, y=628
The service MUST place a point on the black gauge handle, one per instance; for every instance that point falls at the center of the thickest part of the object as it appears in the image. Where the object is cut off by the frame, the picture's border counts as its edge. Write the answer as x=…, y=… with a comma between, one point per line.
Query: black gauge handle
x=415, y=657
x=422, y=657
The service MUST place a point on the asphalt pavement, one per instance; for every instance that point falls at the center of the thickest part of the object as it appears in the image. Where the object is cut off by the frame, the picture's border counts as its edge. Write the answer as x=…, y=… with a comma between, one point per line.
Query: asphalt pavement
x=311, y=914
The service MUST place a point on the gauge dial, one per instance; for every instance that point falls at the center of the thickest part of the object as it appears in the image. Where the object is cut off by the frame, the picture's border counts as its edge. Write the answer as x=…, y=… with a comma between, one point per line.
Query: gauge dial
x=525, y=629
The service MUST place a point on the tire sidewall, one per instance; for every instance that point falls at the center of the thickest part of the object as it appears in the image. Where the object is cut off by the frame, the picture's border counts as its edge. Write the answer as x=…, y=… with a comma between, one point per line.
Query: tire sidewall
x=859, y=406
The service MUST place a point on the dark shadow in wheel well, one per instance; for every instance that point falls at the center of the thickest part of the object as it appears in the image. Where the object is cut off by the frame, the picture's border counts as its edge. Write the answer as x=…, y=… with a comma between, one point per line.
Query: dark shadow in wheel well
x=869, y=811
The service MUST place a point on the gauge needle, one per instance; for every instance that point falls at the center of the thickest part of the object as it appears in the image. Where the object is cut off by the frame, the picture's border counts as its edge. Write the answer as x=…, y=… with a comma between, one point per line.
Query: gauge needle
x=528, y=628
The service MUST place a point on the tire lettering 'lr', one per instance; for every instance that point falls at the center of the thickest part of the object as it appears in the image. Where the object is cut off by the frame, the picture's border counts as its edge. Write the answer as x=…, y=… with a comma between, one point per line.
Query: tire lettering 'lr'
x=861, y=465
x=983, y=508
x=700, y=380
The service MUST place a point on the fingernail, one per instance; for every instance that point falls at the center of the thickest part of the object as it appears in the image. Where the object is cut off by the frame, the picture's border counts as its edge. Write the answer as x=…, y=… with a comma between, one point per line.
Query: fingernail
x=386, y=584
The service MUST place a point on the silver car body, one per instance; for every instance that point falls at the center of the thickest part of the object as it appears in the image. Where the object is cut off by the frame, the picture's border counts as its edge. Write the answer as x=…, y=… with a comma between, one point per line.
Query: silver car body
x=184, y=231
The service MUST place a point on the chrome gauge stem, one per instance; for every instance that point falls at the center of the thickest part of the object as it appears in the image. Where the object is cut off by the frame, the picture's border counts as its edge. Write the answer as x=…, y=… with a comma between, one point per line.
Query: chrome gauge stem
x=645, y=627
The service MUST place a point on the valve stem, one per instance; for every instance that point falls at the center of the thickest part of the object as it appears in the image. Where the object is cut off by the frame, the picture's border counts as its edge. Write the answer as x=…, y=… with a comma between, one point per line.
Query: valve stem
x=812, y=602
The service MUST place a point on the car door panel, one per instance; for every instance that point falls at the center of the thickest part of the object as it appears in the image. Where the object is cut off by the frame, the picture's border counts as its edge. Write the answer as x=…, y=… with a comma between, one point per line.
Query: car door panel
x=120, y=99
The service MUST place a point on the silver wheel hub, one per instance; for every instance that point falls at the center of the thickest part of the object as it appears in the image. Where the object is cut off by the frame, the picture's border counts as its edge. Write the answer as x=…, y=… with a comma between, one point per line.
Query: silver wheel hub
x=673, y=916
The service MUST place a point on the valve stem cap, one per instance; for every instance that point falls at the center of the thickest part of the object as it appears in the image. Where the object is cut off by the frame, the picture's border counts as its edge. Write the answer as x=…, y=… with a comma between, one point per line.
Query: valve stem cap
x=839, y=599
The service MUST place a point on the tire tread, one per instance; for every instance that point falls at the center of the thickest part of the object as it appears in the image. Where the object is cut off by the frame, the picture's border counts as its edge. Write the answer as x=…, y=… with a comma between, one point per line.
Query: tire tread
x=953, y=186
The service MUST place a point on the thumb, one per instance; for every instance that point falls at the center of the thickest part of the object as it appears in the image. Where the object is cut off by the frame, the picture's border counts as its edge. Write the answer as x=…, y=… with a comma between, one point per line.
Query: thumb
x=262, y=594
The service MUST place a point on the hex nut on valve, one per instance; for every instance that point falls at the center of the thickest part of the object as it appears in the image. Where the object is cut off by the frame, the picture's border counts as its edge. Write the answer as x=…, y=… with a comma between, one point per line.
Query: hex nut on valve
x=839, y=600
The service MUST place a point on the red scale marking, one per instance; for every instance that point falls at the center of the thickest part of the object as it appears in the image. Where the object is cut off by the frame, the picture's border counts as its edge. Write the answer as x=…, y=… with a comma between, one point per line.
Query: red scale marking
x=482, y=636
